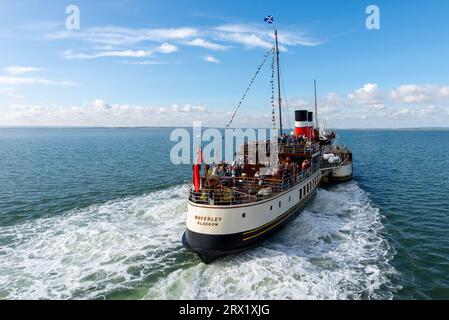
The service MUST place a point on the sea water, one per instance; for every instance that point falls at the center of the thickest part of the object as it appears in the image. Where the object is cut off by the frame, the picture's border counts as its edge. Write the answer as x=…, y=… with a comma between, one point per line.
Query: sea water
x=99, y=214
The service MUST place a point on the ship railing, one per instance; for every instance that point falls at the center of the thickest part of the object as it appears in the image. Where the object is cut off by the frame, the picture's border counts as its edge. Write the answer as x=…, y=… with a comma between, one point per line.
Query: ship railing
x=340, y=148
x=326, y=165
x=292, y=148
x=247, y=190
x=298, y=148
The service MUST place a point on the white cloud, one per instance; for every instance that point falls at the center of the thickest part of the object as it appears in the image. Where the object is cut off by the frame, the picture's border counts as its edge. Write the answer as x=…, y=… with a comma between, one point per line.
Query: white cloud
x=10, y=92
x=251, y=35
x=122, y=54
x=118, y=36
x=15, y=70
x=429, y=112
x=145, y=62
x=163, y=48
x=332, y=104
x=418, y=94
x=198, y=42
x=101, y=113
x=188, y=108
x=100, y=104
x=368, y=95
x=167, y=48
x=368, y=107
x=30, y=81
x=212, y=59
x=248, y=40
x=332, y=109
x=298, y=104
x=128, y=42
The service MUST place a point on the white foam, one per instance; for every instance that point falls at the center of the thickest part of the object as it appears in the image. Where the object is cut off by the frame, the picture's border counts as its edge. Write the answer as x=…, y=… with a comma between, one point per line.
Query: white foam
x=131, y=249
x=334, y=250
x=92, y=252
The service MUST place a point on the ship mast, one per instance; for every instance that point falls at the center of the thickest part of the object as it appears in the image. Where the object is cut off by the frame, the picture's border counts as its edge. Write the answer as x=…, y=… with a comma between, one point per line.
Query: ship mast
x=279, y=80
x=316, y=107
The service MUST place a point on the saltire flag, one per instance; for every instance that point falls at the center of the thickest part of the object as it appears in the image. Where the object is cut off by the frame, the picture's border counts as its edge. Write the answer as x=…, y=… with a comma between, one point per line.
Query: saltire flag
x=269, y=19
x=196, y=171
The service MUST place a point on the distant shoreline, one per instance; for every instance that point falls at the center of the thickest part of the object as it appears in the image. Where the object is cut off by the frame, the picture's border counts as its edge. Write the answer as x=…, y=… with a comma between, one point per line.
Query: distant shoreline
x=168, y=127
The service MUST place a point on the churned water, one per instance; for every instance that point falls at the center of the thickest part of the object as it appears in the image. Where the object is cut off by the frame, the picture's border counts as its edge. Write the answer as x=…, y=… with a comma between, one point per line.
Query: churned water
x=99, y=214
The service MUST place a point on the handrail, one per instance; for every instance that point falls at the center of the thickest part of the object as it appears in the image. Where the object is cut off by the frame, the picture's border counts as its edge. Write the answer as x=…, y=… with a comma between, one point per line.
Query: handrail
x=289, y=147
x=298, y=148
x=342, y=148
x=252, y=190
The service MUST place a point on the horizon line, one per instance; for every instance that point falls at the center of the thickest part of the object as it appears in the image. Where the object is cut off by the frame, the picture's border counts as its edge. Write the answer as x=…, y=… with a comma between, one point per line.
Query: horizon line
x=188, y=127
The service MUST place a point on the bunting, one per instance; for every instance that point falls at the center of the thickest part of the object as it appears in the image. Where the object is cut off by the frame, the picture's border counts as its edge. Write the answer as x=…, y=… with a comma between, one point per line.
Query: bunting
x=271, y=51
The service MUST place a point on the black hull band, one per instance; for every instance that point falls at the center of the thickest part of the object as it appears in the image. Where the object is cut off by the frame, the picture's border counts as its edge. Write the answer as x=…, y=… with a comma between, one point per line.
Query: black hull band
x=336, y=180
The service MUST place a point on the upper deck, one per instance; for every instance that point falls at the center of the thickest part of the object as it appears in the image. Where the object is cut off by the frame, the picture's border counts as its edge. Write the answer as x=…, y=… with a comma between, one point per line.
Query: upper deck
x=243, y=190
x=234, y=184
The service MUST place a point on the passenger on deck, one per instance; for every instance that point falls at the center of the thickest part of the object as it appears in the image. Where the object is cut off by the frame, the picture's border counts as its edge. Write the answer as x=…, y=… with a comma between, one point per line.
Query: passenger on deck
x=221, y=170
x=214, y=171
x=305, y=165
x=207, y=170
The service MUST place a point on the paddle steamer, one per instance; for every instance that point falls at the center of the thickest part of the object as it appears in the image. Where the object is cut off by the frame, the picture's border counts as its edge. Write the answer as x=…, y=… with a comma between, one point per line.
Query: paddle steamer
x=229, y=214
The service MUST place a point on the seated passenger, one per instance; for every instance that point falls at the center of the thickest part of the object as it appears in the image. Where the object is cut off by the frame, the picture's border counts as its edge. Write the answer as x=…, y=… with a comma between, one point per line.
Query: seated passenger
x=214, y=171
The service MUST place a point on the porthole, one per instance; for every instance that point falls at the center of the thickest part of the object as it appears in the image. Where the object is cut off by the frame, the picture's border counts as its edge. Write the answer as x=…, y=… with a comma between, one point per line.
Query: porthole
x=290, y=199
x=271, y=208
x=243, y=215
x=280, y=204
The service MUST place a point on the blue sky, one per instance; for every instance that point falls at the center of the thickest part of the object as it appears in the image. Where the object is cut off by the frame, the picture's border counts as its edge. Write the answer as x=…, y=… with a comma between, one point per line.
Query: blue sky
x=167, y=63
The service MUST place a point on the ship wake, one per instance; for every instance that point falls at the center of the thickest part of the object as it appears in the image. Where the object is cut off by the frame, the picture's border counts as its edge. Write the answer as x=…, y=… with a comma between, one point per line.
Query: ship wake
x=333, y=250
x=130, y=248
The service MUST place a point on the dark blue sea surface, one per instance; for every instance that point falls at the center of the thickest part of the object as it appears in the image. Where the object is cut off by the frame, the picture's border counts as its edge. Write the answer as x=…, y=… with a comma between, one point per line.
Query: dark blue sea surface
x=99, y=214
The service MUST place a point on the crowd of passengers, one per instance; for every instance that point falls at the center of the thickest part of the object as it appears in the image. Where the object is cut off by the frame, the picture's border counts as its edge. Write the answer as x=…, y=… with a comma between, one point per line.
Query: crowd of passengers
x=227, y=172
x=233, y=176
x=294, y=140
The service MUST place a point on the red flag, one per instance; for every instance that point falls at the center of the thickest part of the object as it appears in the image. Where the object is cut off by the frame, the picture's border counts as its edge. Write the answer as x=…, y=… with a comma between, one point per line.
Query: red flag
x=196, y=177
x=196, y=171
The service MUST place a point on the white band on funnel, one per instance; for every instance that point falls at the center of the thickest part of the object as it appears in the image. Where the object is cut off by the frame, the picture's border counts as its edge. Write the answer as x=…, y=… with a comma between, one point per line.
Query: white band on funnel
x=301, y=124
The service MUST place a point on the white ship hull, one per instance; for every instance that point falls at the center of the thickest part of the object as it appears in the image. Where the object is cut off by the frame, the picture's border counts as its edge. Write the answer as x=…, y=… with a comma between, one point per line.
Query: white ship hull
x=342, y=173
x=214, y=231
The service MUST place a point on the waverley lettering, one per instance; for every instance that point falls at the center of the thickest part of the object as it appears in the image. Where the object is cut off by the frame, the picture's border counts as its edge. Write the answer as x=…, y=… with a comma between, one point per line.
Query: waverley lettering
x=212, y=219
x=208, y=221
